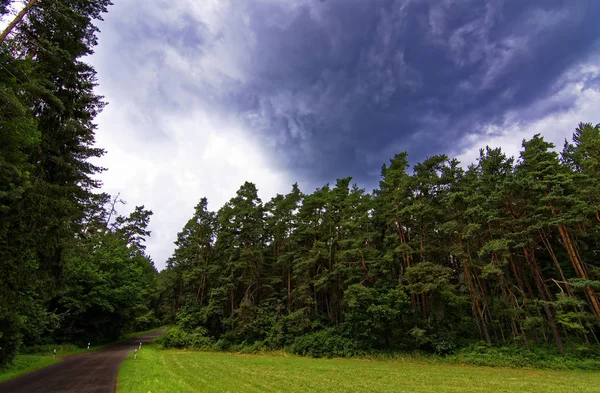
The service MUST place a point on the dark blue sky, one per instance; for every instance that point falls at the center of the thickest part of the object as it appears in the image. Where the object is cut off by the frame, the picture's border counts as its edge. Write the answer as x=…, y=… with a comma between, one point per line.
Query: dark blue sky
x=372, y=77
x=207, y=94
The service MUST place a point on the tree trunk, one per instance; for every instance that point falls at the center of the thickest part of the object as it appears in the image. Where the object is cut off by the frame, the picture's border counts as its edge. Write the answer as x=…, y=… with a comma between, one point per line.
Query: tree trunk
x=424, y=306
x=486, y=306
x=422, y=235
x=579, y=267
x=17, y=20
x=406, y=258
x=289, y=286
x=539, y=281
x=366, y=270
x=476, y=305
x=564, y=280
x=555, y=260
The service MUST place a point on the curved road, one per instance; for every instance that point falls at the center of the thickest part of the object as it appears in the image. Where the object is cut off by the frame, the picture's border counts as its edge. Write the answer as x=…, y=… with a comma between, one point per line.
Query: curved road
x=91, y=372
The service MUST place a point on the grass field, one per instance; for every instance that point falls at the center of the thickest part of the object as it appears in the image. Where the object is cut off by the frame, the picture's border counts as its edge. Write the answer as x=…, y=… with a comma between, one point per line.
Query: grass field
x=157, y=371
x=25, y=363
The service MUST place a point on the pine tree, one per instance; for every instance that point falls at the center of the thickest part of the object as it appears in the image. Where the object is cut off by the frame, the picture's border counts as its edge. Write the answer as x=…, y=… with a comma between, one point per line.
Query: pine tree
x=47, y=180
x=430, y=260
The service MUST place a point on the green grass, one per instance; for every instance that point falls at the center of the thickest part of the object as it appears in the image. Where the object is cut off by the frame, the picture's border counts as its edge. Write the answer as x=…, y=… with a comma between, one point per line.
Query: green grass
x=41, y=356
x=24, y=364
x=27, y=362
x=157, y=370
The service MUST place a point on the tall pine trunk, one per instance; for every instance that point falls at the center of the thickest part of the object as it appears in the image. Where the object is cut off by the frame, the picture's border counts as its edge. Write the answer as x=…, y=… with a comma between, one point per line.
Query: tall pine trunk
x=539, y=282
x=579, y=267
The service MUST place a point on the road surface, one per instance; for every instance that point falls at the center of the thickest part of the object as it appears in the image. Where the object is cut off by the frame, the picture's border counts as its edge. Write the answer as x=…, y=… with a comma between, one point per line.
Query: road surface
x=94, y=372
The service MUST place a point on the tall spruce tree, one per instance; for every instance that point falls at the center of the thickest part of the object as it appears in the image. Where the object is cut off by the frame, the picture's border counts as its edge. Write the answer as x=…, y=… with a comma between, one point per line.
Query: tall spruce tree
x=47, y=178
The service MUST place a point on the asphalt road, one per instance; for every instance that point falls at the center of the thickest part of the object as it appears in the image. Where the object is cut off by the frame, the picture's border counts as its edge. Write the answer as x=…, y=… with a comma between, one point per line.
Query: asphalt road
x=91, y=372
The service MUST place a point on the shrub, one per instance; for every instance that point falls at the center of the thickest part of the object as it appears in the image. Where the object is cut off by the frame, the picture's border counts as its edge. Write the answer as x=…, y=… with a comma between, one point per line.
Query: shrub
x=48, y=348
x=376, y=316
x=10, y=337
x=176, y=337
x=325, y=343
x=586, y=358
x=443, y=343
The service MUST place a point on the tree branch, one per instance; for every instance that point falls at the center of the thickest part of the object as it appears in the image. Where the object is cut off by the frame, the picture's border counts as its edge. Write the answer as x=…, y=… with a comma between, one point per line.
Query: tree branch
x=17, y=19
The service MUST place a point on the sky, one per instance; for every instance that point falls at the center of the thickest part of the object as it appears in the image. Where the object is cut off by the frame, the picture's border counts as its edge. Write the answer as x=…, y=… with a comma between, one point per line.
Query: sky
x=204, y=95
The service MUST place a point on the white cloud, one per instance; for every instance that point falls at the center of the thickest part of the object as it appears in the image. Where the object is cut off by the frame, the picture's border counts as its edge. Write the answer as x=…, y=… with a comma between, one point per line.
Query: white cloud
x=167, y=144
x=204, y=155
x=554, y=127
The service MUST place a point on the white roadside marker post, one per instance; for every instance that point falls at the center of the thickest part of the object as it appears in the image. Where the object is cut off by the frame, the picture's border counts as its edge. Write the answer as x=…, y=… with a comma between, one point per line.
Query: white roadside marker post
x=134, y=354
x=88, y=347
x=54, y=354
x=140, y=345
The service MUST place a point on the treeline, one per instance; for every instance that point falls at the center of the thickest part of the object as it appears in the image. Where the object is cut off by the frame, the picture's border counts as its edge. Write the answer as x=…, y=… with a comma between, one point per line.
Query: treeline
x=70, y=268
x=507, y=252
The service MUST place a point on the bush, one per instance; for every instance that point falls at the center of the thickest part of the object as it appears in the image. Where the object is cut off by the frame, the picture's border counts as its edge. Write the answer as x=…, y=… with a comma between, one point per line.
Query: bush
x=10, y=337
x=443, y=343
x=377, y=316
x=325, y=343
x=48, y=348
x=585, y=358
x=221, y=345
x=176, y=337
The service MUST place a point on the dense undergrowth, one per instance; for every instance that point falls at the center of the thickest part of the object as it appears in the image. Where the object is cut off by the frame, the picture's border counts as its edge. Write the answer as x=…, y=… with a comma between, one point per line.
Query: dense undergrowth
x=330, y=344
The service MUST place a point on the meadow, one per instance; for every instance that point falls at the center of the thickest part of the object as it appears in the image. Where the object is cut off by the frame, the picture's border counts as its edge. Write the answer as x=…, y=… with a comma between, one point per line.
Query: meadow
x=157, y=370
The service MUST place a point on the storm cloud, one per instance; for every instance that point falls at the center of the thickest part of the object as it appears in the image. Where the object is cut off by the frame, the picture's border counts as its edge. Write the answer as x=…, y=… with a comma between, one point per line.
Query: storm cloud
x=205, y=95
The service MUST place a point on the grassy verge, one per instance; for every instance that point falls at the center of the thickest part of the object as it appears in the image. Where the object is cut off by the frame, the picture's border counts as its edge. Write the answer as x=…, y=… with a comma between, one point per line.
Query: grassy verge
x=159, y=370
x=541, y=358
x=41, y=356
x=24, y=364
x=328, y=344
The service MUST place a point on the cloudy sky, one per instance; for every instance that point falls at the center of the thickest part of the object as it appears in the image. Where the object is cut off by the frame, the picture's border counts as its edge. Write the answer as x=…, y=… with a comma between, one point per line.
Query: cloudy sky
x=205, y=95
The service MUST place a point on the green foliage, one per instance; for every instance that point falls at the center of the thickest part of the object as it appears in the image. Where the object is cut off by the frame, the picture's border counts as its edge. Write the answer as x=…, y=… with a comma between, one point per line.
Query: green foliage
x=427, y=277
x=47, y=183
x=47, y=349
x=10, y=336
x=377, y=317
x=433, y=260
x=176, y=337
x=325, y=343
x=38, y=324
x=578, y=357
x=109, y=284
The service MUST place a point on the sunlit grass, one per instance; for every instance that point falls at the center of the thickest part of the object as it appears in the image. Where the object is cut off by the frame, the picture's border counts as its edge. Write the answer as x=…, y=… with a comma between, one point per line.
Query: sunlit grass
x=157, y=370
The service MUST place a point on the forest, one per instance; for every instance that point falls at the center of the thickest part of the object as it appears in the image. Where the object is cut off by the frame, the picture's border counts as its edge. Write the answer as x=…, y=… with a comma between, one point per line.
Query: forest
x=71, y=268
x=503, y=252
